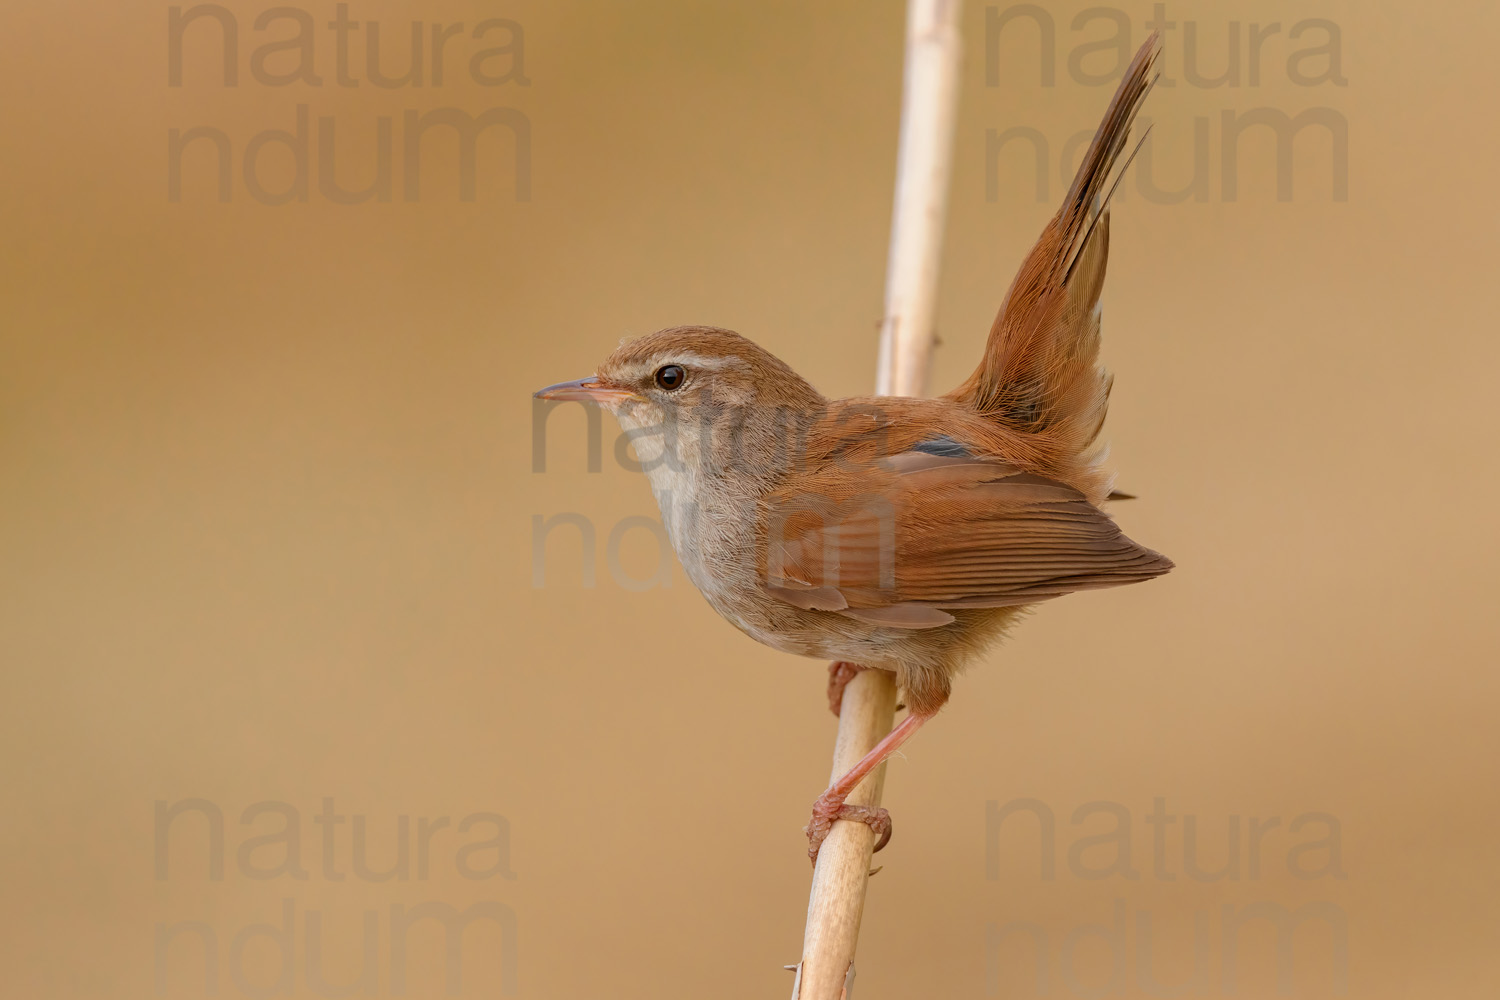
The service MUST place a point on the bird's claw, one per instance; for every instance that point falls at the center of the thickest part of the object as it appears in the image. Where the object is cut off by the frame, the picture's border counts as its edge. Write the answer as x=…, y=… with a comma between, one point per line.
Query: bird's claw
x=840, y=673
x=829, y=808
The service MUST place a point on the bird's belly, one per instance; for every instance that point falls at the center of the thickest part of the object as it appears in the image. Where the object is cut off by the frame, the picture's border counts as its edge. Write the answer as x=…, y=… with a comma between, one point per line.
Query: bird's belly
x=817, y=634
x=717, y=545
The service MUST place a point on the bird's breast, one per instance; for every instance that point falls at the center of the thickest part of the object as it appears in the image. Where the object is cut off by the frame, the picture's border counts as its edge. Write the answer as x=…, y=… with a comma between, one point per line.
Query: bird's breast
x=712, y=530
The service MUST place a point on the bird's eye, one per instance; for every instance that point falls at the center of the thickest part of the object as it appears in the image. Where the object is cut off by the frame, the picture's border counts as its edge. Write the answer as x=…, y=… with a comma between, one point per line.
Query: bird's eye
x=669, y=377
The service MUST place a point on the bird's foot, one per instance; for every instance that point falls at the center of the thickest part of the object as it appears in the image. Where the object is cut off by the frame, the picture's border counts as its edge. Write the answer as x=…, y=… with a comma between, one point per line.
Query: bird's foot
x=840, y=673
x=831, y=806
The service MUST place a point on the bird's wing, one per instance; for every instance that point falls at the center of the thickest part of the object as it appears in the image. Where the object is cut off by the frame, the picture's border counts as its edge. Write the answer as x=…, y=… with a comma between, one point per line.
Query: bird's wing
x=922, y=532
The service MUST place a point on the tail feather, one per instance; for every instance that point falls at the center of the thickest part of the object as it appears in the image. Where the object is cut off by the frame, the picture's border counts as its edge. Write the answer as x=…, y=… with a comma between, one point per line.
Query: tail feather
x=1040, y=371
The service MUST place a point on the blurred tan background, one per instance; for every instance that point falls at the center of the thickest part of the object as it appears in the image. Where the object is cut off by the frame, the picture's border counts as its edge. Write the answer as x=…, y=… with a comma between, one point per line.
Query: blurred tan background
x=267, y=501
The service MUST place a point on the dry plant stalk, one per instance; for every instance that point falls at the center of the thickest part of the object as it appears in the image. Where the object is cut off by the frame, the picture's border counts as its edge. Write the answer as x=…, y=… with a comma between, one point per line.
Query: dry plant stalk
x=929, y=105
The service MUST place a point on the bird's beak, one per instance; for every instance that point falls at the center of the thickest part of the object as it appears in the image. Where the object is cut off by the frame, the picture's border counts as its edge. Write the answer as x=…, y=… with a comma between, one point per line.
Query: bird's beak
x=586, y=390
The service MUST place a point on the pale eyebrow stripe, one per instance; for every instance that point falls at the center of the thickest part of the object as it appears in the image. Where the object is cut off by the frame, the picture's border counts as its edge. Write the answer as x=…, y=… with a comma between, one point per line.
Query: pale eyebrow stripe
x=690, y=358
x=699, y=361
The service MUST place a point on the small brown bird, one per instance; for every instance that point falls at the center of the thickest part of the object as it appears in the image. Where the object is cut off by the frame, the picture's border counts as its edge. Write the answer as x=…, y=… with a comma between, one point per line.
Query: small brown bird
x=887, y=532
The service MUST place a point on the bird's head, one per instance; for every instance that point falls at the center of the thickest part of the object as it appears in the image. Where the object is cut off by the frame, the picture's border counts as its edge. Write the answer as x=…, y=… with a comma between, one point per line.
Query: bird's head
x=691, y=384
x=672, y=373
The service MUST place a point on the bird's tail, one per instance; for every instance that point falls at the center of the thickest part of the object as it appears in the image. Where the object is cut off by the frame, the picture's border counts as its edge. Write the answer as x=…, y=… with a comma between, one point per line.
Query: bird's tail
x=1040, y=372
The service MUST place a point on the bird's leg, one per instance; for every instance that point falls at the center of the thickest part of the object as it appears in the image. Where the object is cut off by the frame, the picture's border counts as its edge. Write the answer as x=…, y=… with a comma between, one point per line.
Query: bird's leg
x=830, y=805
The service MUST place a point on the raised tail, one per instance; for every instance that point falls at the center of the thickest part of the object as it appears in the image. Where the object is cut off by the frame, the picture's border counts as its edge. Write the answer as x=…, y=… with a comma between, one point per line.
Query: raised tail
x=1040, y=371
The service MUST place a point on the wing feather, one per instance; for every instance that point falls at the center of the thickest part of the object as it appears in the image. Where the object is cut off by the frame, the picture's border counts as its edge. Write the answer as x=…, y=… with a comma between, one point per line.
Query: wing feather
x=929, y=533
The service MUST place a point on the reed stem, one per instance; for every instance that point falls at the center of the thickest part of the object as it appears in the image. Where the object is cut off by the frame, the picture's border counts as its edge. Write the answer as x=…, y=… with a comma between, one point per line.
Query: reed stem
x=928, y=108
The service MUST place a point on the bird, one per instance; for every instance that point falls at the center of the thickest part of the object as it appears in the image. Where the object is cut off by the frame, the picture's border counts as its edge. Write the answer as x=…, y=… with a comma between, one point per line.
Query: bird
x=896, y=533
